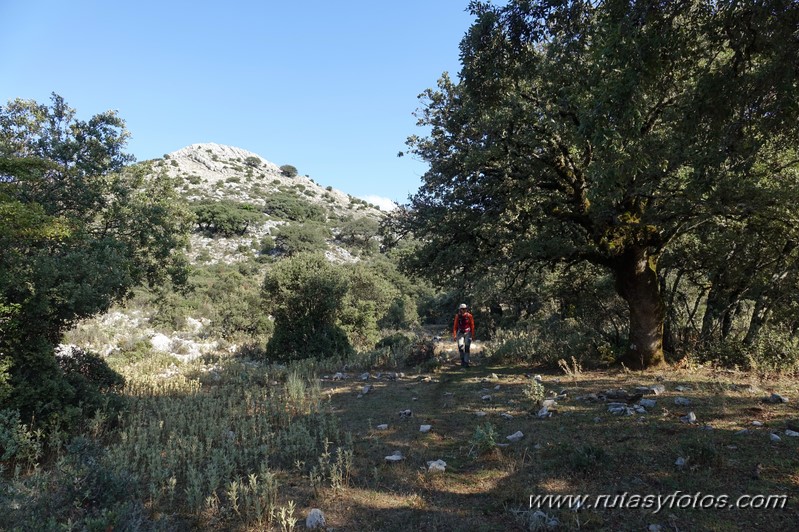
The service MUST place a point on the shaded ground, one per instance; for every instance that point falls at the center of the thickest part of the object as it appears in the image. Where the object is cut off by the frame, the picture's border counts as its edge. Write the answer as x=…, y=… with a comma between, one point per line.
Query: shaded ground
x=581, y=449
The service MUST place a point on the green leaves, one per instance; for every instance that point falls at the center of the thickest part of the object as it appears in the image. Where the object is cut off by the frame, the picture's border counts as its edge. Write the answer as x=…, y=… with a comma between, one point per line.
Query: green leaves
x=78, y=229
x=600, y=132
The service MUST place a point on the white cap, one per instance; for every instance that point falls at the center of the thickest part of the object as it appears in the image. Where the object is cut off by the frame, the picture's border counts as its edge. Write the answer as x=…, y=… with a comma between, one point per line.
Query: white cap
x=463, y=305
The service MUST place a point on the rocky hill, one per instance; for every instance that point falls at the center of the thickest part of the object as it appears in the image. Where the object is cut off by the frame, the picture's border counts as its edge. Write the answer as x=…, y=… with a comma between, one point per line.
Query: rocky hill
x=213, y=172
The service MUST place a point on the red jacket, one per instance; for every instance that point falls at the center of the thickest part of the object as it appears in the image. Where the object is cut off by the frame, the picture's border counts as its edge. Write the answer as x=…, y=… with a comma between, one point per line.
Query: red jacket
x=466, y=321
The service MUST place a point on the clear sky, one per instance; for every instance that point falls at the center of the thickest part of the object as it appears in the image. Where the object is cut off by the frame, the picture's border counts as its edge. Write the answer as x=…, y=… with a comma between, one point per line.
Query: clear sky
x=327, y=86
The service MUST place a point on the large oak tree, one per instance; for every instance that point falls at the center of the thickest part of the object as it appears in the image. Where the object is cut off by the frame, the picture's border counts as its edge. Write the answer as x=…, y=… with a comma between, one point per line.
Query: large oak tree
x=602, y=131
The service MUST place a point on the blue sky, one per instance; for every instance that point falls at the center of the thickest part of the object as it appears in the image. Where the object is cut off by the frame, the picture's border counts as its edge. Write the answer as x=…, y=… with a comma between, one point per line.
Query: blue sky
x=329, y=87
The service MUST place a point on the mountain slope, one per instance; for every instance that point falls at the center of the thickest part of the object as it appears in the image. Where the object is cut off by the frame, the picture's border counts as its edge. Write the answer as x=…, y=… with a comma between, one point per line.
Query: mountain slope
x=207, y=173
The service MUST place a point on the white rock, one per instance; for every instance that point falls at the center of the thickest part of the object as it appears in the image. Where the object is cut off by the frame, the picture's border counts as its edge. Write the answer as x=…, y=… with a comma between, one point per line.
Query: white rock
x=365, y=377
x=384, y=426
x=775, y=438
x=505, y=415
x=480, y=414
x=791, y=433
x=680, y=462
x=690, y=418
x=425, y=428
x=405, y=413
x=516, y=436
x=396, y=456
x=496, y=387
x=486, y=398
x=757, y=423
x=648, y=403
x=436, y=466
x=538, y=378
x=366, y=389
x=315, y=519
x=161, y=342
x=544, y=412
x=682, y=401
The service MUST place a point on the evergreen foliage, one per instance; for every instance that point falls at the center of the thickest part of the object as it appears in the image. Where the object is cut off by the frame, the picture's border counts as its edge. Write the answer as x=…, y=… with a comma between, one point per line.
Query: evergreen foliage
x=610, y=133
x=78, y=230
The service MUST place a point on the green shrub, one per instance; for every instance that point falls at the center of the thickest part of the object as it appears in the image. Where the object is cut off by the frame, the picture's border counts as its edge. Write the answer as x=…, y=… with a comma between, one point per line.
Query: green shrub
x=293, y=239
x=484, y=439
x=288, y=170
x=305, y=295
x=288, y=206
x=225, y=217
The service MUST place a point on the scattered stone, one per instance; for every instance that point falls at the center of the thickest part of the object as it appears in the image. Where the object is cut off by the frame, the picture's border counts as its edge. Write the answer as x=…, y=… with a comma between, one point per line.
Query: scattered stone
x=486, y=398
x=655, y=528
x=339, y=376
x=706, y=427
x=315, y=519
x=366, y=389
x=682, y=401
x=776, y=398
x=414, y=398
x=681, y=462
x=507, y=416
x=648, y=403
x=493, y=377
x=384, y=426
x=496, y=388
x=365, y=377
x=757, y=423
x=690, y=418
x=791, y=433
x=775, y=438
x=743, y=432
x=591, y=397
x=655, y=389
x=394, y=457
x=516, y=436
x=425, y=428
x=480, y=414
x=538, y=378
x=436, y=466
x=405, y=413
x=615, y=395
x=639, y=409
x=447, y=394
x=682, y=388
x=548, y=403
x=544, y=412
x=620, y=409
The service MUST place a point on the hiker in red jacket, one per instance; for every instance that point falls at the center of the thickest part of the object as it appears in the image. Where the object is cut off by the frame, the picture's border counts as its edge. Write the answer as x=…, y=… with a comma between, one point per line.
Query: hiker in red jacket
x=463, y=332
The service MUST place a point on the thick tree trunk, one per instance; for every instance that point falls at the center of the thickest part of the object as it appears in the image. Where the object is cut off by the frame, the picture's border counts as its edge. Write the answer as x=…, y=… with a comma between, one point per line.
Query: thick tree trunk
x=637, y=283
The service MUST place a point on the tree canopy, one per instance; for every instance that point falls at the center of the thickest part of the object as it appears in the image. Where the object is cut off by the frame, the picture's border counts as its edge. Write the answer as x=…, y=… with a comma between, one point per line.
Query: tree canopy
x=607, y=132
x=78, y=229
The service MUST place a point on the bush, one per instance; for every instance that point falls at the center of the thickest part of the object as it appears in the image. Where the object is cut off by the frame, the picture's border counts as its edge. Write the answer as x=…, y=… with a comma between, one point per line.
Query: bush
x=484, y=440
x=289, y=206
x=288, y=170
x=225, y=217
x=293, y=239
x=305, y=295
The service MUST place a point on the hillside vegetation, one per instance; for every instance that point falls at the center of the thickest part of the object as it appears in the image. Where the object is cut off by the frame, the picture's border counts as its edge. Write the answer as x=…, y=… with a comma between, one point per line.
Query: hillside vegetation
x=211, y=341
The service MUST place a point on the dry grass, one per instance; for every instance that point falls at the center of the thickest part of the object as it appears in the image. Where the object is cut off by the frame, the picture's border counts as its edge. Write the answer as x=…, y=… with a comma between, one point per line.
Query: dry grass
x=239, y=447
x=581, y=449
